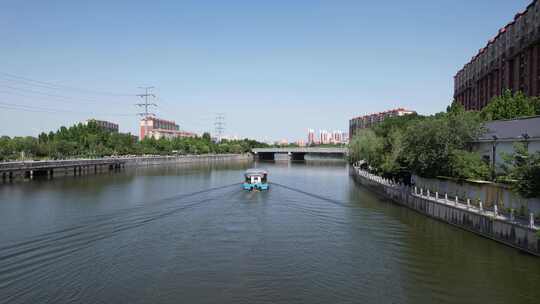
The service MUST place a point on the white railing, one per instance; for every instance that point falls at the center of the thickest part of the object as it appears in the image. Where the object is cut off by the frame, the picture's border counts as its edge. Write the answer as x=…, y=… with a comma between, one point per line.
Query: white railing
x=391, y=186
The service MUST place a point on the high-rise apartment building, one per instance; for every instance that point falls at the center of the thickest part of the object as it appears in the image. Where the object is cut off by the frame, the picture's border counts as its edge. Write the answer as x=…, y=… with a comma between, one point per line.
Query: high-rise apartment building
x=324, y=137
x=510, y=60
x=311, y=137
x=301, y=143
x=106, y=125
x=336, y=137
x=368, y=121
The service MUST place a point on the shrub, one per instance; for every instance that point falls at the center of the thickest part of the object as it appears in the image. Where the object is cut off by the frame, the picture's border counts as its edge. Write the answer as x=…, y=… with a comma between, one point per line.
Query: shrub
x=468, y=165
x=524, y=171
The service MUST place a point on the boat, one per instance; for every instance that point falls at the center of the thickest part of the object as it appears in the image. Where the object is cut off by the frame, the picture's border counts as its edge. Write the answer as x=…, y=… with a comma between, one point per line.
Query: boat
x=256, y=179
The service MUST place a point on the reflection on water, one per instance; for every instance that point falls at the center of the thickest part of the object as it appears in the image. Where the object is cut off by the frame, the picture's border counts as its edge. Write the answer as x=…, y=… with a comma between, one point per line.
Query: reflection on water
x=189, y=234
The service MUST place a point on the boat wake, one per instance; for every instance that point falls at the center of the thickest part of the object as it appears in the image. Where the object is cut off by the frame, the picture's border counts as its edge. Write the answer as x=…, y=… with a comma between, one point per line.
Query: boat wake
x=30, y=258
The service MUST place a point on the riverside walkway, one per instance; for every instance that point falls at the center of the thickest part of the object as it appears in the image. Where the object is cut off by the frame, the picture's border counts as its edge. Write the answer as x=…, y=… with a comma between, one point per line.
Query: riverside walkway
x=520, y=233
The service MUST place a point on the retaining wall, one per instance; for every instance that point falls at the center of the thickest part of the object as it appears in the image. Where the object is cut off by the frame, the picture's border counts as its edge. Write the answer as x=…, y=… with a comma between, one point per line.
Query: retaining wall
x=509, y=231
x=164, y=160
x=489, y=193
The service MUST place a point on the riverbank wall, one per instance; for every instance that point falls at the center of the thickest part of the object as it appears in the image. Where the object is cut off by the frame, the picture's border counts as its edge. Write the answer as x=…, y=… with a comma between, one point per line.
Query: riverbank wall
x=488, y=193
x=183, y=159
x=517, y=233
x=28, y=170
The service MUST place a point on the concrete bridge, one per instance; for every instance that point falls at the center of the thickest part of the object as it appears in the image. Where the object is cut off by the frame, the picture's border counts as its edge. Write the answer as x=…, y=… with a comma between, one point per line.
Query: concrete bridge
x=305, y=153
x=47, y=168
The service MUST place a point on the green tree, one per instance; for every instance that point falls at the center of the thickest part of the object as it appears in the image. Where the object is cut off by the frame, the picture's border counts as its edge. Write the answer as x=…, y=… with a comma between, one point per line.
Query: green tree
x=393, y=162
x=367, y=146
x=392, y=132
x=468, y=165
x=510, y=106
x=431, y=142
x=523, y=171
x=236, y=148
x=90, y=140
x=426, y=148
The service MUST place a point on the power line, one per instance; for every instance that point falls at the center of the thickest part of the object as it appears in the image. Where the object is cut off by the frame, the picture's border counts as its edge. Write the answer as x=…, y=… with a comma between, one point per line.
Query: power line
x=29, y=83
x=62, y=98
x=56, y=86
x=28, y=108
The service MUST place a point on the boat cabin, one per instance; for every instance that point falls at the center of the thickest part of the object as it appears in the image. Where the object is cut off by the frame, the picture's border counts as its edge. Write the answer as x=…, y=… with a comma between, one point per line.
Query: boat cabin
x=256, y=179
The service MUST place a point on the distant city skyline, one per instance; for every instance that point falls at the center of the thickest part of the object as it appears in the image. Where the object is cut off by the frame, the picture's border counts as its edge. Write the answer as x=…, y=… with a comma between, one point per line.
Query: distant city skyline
x=286, y=64
x=324, y=136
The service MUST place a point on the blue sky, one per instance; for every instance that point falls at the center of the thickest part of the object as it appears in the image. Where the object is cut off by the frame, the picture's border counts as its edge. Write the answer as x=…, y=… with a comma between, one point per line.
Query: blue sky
x=293, y=65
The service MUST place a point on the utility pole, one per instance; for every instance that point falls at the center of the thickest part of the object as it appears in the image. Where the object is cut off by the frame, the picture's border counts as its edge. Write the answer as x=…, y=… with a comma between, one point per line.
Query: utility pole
x=145, y=115
x=219, y=125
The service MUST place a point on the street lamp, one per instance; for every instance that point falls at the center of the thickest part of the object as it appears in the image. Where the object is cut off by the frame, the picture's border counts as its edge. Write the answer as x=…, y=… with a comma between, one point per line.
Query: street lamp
x=526, y=137
x=493, y=156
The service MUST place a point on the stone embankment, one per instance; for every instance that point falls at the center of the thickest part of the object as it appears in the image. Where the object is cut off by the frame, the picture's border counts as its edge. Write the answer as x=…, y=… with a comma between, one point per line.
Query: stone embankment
x=520, y=234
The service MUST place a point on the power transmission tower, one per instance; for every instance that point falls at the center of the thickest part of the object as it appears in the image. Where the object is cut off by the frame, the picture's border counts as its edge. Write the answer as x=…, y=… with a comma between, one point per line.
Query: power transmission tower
x=219, y=125
x=145, y=115
x=147, y=93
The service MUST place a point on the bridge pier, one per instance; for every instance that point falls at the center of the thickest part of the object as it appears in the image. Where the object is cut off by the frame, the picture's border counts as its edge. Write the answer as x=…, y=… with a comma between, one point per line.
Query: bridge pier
x=282, y=156
x=264, y=156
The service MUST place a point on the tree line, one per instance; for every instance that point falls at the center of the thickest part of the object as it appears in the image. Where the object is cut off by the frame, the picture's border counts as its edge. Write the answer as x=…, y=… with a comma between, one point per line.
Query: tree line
x=439, y=145
x=90, y=140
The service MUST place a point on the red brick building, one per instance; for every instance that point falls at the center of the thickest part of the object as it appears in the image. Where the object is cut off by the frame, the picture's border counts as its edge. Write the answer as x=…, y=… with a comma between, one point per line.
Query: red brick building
x=159, y=128
x=510, y=60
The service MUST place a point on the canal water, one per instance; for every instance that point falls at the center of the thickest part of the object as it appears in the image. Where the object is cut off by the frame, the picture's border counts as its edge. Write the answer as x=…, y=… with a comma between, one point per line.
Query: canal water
x=189, y=234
